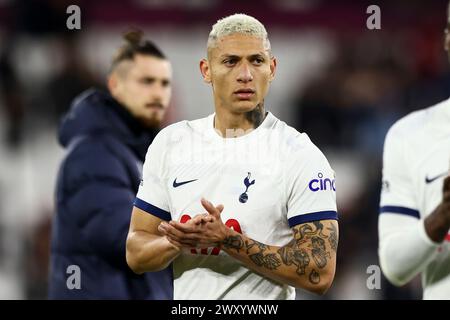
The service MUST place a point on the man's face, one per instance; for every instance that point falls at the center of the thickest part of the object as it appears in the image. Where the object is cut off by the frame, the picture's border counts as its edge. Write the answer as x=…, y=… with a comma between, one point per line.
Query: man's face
x=143, y=86
x=240, y=70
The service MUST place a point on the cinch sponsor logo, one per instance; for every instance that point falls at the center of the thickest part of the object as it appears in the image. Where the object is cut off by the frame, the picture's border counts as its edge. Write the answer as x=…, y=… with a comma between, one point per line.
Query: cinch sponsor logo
x=322, y=184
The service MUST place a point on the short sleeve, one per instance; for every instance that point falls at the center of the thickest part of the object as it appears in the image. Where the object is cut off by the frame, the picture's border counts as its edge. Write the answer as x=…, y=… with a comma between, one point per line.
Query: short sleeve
x=311, y=186
x=397, y=195
x=152, y=196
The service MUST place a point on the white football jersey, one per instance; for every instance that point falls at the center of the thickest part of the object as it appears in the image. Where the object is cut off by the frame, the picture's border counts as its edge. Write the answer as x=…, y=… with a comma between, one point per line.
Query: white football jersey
x=268, y=180
x=416, y=160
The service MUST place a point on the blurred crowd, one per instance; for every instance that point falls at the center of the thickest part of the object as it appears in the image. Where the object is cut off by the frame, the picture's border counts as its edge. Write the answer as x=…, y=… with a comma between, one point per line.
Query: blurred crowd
x=339, y=82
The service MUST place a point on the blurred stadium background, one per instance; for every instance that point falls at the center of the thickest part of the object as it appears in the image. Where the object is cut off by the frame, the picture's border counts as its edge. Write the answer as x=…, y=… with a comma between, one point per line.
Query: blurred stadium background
x=338, y=81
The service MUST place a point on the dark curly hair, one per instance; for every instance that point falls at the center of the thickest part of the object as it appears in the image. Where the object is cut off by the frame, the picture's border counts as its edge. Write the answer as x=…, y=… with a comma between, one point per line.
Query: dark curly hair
x=135, y=44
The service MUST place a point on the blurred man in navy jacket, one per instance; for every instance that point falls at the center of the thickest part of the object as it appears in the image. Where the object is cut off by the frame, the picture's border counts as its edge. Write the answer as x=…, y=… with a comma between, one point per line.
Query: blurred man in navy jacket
x=106, y=135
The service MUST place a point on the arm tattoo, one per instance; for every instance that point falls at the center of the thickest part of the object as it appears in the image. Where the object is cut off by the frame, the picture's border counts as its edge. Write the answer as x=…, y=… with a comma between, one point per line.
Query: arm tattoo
x=314, y=277
x=333, y=239
x=319, y=252
x=269, y=261
x=302, y=232
x=251, y=243
x=233, y=242
x=308, y=244
x=299, y=258
x=319, y=228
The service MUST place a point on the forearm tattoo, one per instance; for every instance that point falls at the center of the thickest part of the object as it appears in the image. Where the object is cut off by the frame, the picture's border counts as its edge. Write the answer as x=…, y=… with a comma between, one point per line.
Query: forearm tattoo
x=307, y=251
x=233, y=242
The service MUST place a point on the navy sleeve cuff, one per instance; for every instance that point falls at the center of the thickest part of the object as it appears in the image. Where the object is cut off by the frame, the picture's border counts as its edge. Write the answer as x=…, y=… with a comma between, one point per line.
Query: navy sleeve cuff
x=314, y=216
x=400, y=210
x=151, y=209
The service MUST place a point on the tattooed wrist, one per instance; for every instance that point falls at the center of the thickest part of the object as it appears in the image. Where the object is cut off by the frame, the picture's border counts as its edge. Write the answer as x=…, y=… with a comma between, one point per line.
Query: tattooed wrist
x=233, y=242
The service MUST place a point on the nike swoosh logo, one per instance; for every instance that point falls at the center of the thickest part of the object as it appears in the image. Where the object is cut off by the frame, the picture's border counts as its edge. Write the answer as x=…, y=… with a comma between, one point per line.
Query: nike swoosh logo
x=177, y=184
x=428, y=180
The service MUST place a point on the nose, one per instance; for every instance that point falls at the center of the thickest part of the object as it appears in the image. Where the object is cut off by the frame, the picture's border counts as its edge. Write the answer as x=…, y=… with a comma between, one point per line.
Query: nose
x=245, y=74
x=157, y=92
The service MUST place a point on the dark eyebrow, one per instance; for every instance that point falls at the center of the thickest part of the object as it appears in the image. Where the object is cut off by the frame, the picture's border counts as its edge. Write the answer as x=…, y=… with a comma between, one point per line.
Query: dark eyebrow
x=257, y=55
x=148, y=78
x=232, y=56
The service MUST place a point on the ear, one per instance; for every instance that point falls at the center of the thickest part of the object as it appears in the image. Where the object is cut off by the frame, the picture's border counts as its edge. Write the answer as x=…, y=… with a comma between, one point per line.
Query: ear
x=113, y=82
x=205, y=70
x=273, y=68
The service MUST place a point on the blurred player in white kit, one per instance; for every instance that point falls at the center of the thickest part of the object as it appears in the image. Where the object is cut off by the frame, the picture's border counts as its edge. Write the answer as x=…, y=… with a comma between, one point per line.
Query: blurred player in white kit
x=415, y=199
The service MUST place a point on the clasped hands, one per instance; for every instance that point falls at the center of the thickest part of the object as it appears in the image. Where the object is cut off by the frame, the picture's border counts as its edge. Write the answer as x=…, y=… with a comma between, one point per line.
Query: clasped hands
x=202, y=231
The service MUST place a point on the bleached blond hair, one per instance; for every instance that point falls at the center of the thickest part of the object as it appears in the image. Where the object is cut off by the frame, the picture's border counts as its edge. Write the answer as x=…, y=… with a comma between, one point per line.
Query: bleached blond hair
x=238, y=23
